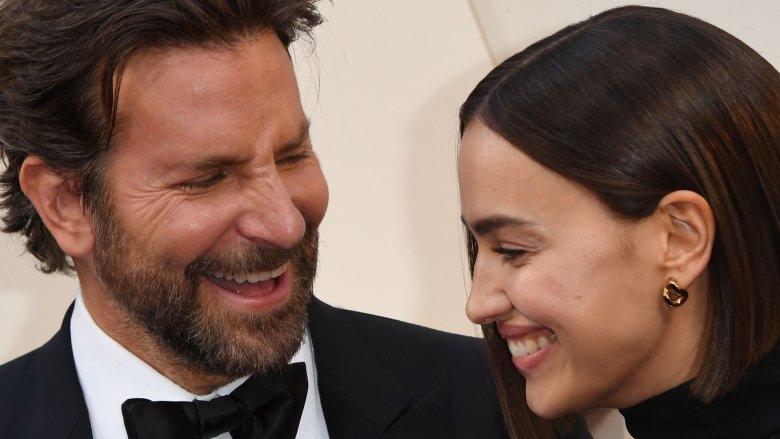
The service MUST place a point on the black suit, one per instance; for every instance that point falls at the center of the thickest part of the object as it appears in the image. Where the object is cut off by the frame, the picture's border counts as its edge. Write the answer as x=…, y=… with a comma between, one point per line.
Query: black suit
x=378, y=378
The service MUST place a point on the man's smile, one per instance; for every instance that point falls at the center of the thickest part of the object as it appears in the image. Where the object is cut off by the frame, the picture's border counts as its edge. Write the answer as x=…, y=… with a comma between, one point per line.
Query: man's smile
x=251, y=277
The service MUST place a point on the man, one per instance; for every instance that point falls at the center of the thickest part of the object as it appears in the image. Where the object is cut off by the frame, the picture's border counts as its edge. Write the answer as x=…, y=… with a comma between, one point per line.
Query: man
x=158, y=148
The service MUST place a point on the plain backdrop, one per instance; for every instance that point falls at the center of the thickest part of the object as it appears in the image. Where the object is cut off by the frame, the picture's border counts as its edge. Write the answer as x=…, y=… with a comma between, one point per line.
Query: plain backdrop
x=383, y=88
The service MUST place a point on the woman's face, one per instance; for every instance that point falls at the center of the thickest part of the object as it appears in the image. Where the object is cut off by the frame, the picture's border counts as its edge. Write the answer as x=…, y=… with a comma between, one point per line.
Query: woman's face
x=575, y=292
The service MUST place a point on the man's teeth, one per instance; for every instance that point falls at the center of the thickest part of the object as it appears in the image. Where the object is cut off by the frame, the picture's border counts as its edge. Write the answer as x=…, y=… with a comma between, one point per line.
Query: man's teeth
x=251, y=277
x=529, y=345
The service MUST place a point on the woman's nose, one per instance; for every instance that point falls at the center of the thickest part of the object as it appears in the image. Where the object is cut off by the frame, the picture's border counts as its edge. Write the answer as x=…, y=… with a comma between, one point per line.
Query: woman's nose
x=487, y=302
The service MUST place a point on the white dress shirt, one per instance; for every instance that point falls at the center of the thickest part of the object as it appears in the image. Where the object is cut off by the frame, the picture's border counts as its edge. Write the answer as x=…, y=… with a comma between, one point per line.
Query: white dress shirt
x=109, y=374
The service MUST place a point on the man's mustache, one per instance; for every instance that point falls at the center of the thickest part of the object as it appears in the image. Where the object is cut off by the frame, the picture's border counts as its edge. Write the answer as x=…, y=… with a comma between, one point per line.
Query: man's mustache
x=253, y=259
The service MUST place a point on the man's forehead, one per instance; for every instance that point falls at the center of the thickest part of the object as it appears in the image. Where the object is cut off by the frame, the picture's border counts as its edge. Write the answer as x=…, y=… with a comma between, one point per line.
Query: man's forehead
x=205, y=68
x=194, y=108
x=180, y=82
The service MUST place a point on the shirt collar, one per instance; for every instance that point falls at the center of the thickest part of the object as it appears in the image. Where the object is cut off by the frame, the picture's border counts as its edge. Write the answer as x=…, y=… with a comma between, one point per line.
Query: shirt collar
x=109, y=374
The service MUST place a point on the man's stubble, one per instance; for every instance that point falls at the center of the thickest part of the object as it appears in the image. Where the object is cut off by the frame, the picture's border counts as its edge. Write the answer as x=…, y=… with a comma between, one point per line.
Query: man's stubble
x=188, y=322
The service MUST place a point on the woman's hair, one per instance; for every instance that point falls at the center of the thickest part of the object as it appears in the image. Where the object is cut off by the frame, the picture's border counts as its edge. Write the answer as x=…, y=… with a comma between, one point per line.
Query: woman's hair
x=61, y=64
x=638, y=102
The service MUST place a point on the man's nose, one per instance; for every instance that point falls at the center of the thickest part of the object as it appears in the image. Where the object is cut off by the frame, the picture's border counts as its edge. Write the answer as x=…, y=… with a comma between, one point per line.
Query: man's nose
x=488, y=301
x=271, y=218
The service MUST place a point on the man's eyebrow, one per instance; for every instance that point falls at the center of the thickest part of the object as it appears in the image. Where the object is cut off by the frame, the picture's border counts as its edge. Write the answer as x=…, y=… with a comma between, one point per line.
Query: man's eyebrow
x=212, y=163
x=492, y=223
x=303, y=136
x=217, y=162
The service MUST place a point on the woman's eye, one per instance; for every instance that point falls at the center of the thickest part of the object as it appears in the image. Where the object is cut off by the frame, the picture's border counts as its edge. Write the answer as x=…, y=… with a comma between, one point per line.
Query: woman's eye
x=203, y=183
x=510, y=254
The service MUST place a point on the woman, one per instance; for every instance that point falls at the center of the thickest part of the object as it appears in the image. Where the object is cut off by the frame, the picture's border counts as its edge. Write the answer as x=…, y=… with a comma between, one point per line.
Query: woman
x=620, y=186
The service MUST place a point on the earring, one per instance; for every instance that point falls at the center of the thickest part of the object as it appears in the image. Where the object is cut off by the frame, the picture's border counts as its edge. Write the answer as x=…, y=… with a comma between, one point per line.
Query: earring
x=674, y=296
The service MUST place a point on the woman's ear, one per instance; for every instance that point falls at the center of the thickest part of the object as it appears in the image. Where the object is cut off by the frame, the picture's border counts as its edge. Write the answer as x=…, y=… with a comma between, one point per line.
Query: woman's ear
x=59, y=205
x=689, y=234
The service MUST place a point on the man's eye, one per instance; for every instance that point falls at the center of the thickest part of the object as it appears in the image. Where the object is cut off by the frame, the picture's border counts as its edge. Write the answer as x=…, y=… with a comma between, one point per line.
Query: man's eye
x=296, y=158
x=203, y=183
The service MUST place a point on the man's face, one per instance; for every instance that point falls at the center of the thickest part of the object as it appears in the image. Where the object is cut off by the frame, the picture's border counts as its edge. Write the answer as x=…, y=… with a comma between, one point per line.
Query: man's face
x=209, y=241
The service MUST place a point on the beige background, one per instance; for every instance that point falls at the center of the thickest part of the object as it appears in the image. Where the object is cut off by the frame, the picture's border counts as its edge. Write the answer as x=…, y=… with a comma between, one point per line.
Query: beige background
x=383, y=90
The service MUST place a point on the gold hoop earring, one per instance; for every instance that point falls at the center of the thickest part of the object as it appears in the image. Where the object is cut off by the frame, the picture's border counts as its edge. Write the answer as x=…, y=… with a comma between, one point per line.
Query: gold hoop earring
x=674, y=296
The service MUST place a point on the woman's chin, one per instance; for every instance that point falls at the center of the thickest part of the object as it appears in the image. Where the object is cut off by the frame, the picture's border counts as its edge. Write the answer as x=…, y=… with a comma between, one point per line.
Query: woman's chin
x=547, y=410
x=546, y=404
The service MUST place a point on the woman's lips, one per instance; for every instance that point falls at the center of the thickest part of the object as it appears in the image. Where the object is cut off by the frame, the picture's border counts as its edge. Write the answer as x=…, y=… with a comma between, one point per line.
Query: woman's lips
x=528, y=345
x=531, y=343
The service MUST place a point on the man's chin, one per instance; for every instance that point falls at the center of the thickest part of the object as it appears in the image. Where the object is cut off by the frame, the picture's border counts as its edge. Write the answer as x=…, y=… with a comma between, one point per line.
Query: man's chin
x=226, y=341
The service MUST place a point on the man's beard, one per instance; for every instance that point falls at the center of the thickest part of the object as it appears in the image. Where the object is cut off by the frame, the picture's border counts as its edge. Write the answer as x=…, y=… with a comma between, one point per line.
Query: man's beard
x=189, y=324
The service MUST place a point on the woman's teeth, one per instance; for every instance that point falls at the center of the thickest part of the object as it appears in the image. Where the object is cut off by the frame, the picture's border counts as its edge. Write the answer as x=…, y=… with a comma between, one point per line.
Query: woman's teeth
x=530, y=344
x=252, y=277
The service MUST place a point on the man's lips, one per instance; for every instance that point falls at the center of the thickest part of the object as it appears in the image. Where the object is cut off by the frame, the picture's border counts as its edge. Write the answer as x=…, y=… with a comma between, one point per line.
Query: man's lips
x=245, y=281
x=259, y=291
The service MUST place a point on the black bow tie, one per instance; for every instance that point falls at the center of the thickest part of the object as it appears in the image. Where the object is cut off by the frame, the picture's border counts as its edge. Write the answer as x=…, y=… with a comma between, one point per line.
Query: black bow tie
x=264, y=407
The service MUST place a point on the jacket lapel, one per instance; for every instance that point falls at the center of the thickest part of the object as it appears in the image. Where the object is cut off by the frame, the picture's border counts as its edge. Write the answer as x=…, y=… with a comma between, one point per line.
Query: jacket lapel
x=361, y=394
x=52, y=403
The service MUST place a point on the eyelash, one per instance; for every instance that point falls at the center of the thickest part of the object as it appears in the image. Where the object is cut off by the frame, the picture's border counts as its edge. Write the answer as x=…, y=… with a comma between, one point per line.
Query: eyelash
x=297, y=158
x=216, y=178
x=509, y=254
x=204, y=183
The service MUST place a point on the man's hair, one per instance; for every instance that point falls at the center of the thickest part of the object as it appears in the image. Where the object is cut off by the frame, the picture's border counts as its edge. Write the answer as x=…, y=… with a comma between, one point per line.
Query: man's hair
x=635, y=103
x=61, y=64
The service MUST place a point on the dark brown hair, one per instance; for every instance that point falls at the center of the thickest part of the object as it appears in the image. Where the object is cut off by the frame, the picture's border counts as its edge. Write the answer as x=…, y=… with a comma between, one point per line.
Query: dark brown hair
x=60, y=68
x=635, y=103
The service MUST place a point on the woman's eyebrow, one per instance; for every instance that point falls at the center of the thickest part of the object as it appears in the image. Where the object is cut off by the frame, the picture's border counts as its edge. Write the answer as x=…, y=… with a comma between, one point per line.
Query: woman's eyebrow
x=492, y=223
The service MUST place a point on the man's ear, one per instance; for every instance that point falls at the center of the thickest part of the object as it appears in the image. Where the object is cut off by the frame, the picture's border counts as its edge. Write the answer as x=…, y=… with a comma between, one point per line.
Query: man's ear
x=689, y=234
x=59, y=205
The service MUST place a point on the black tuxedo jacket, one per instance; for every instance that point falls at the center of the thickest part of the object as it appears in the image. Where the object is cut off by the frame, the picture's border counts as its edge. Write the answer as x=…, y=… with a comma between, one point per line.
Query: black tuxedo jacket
x=377, y=378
